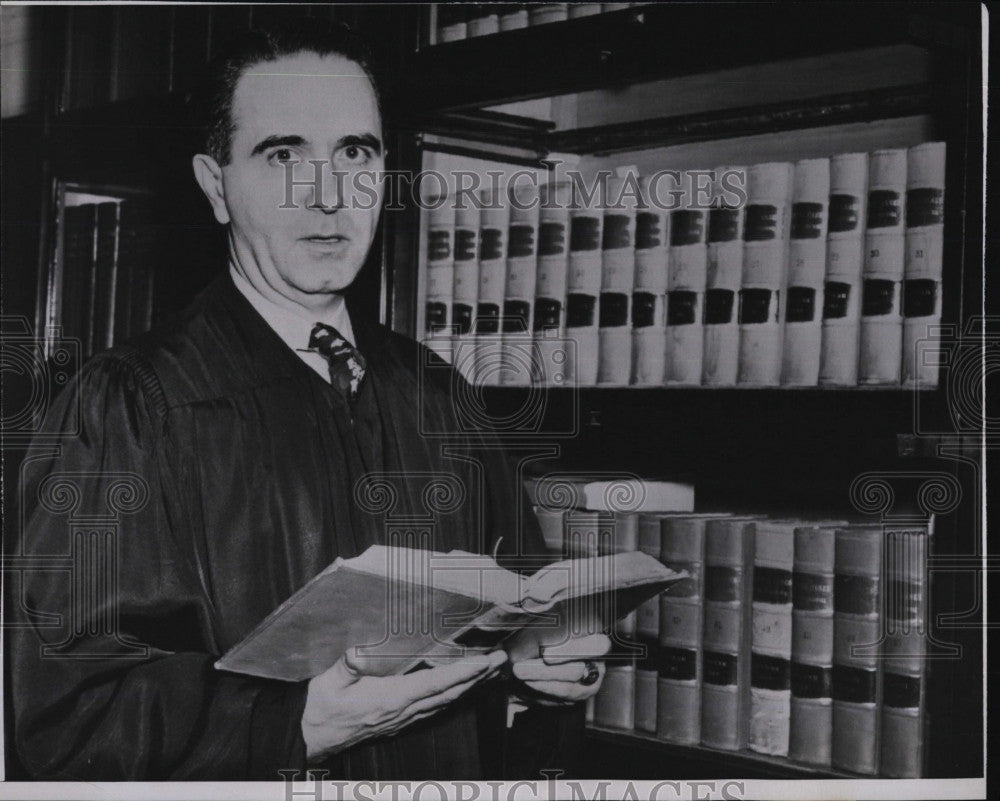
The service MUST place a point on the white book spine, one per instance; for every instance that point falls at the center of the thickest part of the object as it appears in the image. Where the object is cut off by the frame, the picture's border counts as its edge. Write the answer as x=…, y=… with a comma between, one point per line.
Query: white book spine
x=544, y=13
x=465, y=294
x=922, y=270
x=881, y=341
x=652, y=254
x=806, y=273
x=550, y=288
x=686, y=280
x=440, y=276
x=725, y=275
x=617, y=279
x=495, y=219
x=519, y=286
x=765, y=273
x=513, y=17
x=583, y=283
x=842, y=290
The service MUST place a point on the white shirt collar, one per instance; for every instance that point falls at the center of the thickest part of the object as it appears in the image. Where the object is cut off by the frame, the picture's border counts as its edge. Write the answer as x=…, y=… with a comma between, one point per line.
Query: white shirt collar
x=294, y=328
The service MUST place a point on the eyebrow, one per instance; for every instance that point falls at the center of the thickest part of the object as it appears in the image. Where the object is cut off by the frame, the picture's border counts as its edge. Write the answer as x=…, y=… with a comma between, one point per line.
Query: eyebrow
x=368, y=140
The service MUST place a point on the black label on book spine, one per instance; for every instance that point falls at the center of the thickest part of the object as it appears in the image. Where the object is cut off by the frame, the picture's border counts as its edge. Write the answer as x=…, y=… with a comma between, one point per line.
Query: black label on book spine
x=811, y=681
x=719, y=306
x=687, y=227
x=491, y=244
x=844, y=211
x=680, y=664
x=614, y=309
x=436, y=316
x=722, y=583
x=758, y=306
x=761, y=223
x=487, y=318
x=723, y=225
x=551, y=239
x=770, y=672
x=924, y=206
x=904, y=601
x=647, y=231
x=855, y=595
x=719, y=669
x=836, y=300
x=801, y=305
x=807, y=220
x=580, y=310
x=521, y=242
x=461, y=316
x=438, y=244
x=812, y=592
x=643, y=309
x=682, y=307
x=877, y=297
x=884, y=208
x=920, y=297
x=900, y=691
x=585, y=234
x=616, y=232
x=772, y=586
x=465, y=244
x=515, y=316
x=547, y=313
x=854, y=685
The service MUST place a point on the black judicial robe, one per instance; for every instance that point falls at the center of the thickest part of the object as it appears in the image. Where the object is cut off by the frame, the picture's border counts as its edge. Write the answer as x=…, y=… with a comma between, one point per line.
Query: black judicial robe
x=208, y=475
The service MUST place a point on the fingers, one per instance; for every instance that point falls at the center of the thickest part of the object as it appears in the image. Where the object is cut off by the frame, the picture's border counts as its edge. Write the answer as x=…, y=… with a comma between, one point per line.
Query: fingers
x=434, y=681
x=567, y=692
x=538, y=670
x=593, y=646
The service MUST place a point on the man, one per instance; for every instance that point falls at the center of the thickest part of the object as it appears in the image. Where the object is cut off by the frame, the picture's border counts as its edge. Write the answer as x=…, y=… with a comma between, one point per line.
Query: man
x=242, y=432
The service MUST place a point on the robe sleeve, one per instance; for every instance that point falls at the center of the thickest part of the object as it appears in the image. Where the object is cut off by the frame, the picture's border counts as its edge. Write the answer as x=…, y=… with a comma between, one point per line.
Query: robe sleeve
x=112, y=644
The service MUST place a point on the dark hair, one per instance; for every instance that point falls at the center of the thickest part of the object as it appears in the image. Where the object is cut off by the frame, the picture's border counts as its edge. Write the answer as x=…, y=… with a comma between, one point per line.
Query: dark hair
x=258, y=46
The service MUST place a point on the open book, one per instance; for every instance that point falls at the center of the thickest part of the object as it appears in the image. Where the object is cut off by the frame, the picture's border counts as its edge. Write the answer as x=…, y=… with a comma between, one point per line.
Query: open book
x=403, y=607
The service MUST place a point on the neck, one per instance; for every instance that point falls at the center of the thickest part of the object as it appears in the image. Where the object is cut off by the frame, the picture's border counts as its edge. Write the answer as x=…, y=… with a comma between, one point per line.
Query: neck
x=311, y=307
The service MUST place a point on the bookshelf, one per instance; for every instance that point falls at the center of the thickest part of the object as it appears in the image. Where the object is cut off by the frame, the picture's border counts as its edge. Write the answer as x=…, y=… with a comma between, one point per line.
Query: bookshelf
x=674, y=85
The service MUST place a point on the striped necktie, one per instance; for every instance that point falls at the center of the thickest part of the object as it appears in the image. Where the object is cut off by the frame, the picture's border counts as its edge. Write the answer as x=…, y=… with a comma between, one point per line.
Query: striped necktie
x=347, y=365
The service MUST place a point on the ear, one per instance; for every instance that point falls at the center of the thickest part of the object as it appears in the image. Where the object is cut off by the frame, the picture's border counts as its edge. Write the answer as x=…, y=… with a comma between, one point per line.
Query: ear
x=208, y=174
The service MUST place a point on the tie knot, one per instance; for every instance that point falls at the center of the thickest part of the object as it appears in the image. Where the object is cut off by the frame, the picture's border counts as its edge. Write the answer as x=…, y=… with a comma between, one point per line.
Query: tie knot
x=347, y=365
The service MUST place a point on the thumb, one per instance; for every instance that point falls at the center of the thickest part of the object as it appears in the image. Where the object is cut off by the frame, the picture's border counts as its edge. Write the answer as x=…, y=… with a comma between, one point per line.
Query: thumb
x=343, y=673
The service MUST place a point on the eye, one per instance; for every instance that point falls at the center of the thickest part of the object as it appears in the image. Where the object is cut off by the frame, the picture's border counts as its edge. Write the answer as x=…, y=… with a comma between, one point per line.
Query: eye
x=355, y=154
x=281, y=155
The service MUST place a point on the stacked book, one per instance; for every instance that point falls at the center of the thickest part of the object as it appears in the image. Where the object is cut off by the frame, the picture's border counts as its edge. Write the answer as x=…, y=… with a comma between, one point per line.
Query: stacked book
x=793, y=638
x=822, y=272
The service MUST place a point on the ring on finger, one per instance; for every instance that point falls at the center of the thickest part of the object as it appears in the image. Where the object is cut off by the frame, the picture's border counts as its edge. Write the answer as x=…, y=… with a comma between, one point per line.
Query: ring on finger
x=592, y=675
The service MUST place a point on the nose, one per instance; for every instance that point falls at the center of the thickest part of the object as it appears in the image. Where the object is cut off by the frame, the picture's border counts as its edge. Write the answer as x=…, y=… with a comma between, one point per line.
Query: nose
x=328, y=196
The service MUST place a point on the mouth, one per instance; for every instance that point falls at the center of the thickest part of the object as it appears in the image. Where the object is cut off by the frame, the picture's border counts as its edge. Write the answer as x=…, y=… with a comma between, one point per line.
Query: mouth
x=325, y=239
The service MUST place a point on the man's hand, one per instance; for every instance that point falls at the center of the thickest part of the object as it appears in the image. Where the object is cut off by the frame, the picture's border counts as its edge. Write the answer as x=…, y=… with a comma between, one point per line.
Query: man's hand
x=344, y=707
x=556, y=677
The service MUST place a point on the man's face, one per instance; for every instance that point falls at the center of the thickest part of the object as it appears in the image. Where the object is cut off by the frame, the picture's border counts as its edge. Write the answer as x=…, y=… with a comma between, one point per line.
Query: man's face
x=303, y=108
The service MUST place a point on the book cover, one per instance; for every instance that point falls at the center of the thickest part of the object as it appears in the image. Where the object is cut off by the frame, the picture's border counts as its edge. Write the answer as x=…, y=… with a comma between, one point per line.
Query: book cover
x=614, y=363
x=922, y=269
x=550, y=288
x=806, y=273
x=519, y=286
x=440, y=260
x=686, y=279
x=765, y=273
x=724, y=278
x=583, y=282
x=881, y=342
x=465, y=293
x=597, y=493
x=494, y=220
x=647, y=631
x=725, y=699
x=652, y=237
x=483, y=20
x=857, y=632
x=838, y=364
x=811, y=714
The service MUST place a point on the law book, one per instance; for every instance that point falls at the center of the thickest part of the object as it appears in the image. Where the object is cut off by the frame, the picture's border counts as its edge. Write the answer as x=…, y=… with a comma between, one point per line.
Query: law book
x=686, y=279
x=724, y=278
x=550, y=288
x=904, y=717
x=544, y=13
x=550, y=521
x=78, y=239
x=682, y=547
x=806, y=274
x=881, y=331
x=452, y=601
x=838, y=365
x=494, y=220
x=652, y=238
x=811, y=714
x=578, y=10
x=857, y=630
x=647, y=631
x=513, y=16
x=923, y=261
x=583, y=283
x=578, y=491
x=105, y=275
x=465, y=293
x=484, y=20
x=136, y=243
x=725, y=692
x=614, y=362
x=614, y=703
x=451, y=22
x=765, y=273
x=519, y=286
x=440, y=259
